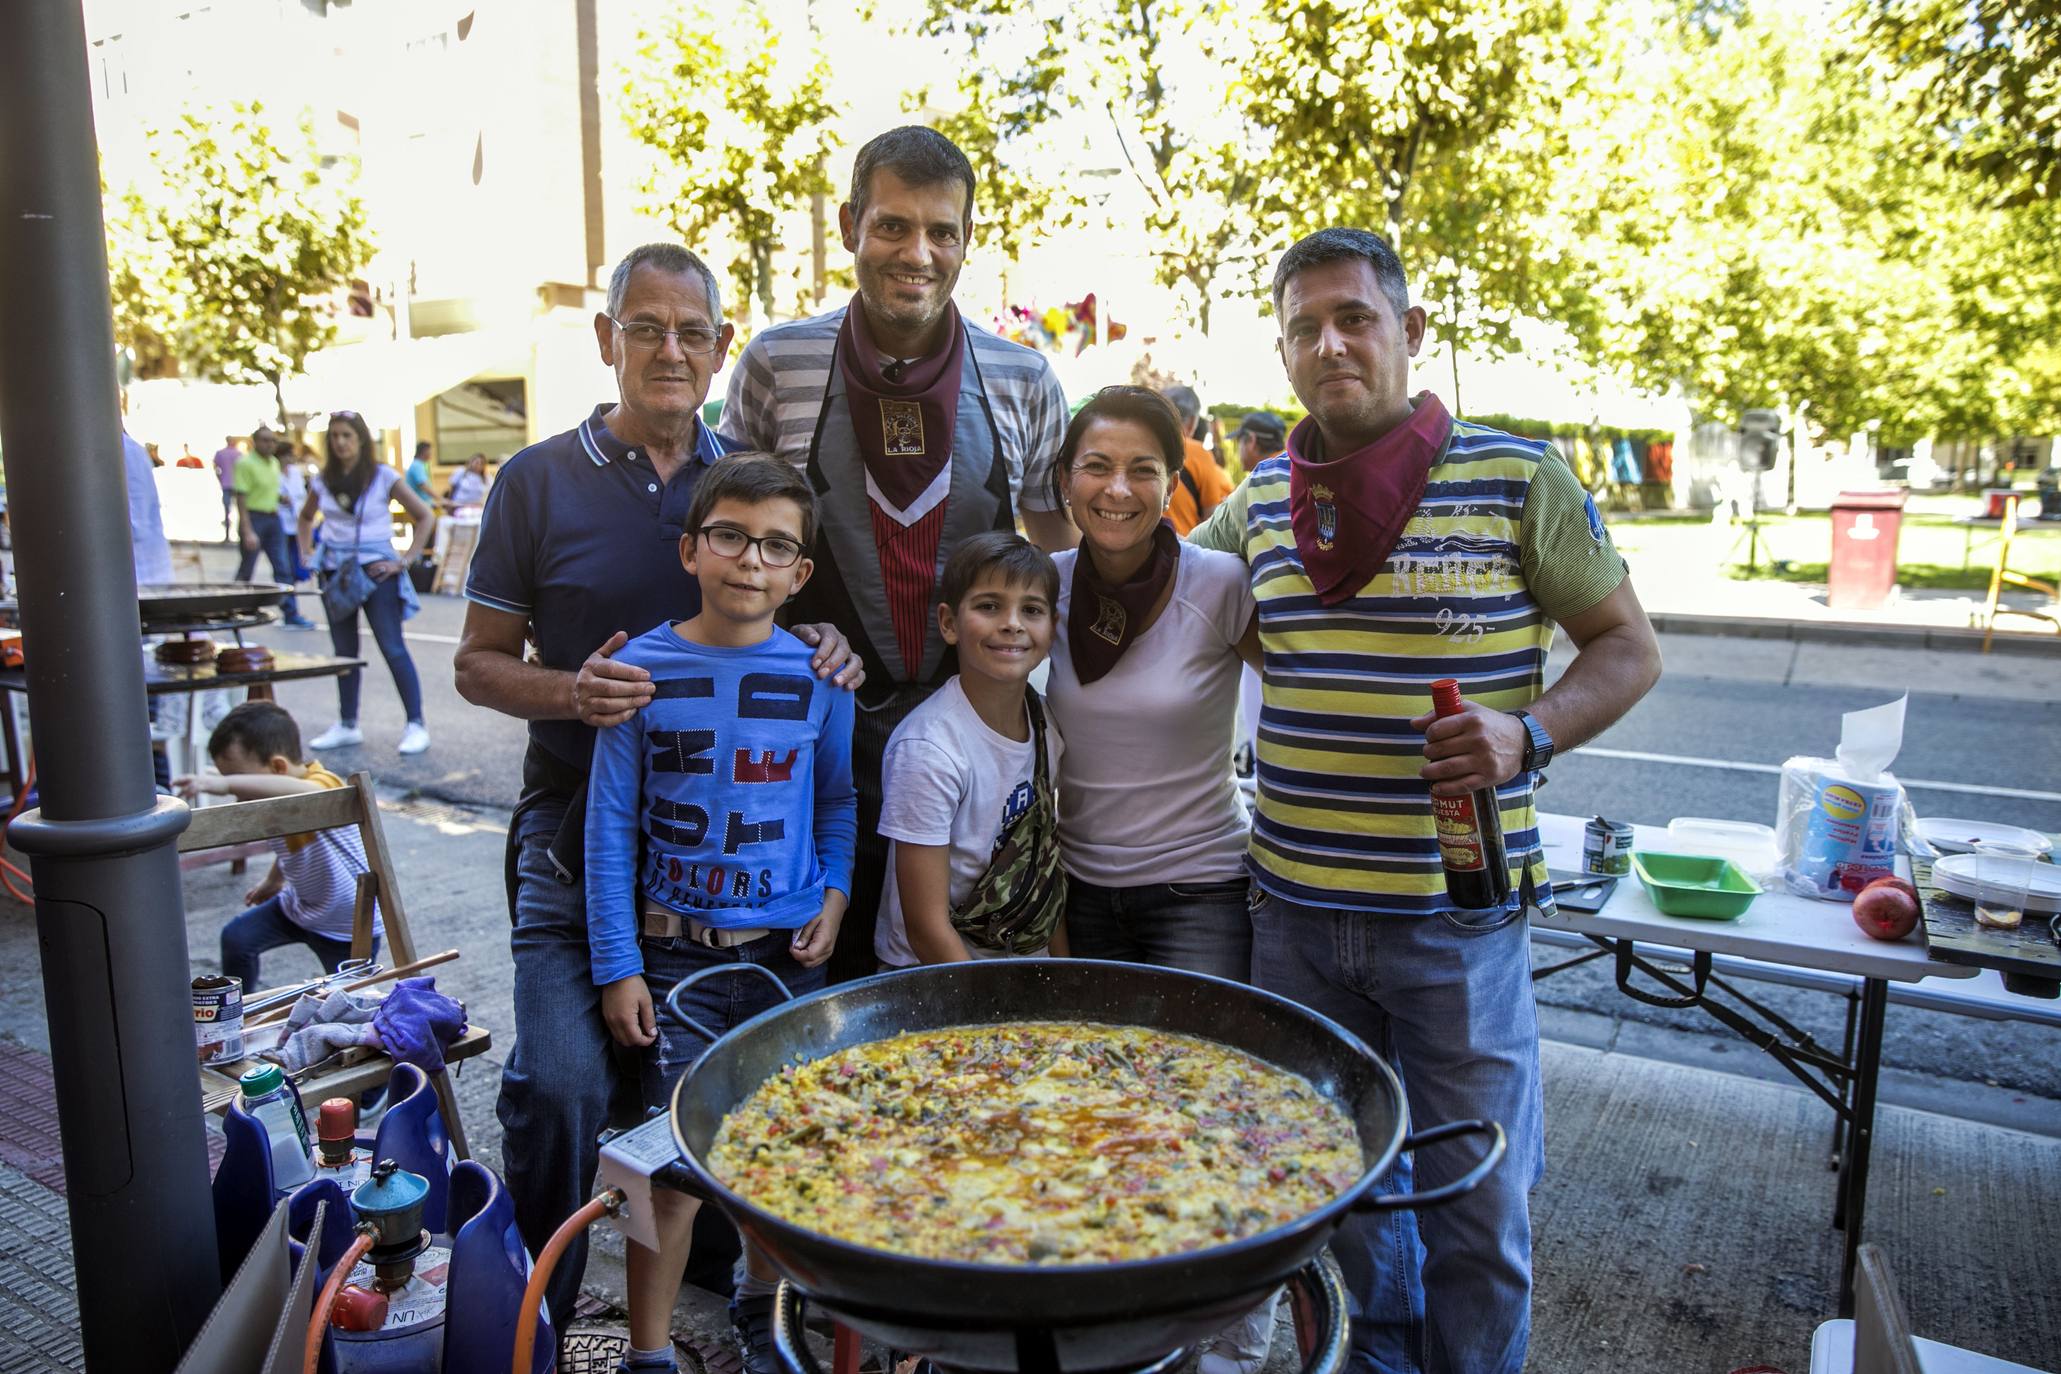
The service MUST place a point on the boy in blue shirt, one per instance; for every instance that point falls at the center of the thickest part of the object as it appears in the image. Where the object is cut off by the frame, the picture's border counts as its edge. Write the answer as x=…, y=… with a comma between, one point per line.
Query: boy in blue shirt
x=721, y=821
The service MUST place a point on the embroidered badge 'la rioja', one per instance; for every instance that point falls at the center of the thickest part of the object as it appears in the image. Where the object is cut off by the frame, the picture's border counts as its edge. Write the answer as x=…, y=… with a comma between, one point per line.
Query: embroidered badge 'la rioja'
x=1110, y=618
x=1327, y=514
x=901, y=428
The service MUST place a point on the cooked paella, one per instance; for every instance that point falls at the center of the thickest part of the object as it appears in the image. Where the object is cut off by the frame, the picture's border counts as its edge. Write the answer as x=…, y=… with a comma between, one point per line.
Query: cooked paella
x=1038, y=1143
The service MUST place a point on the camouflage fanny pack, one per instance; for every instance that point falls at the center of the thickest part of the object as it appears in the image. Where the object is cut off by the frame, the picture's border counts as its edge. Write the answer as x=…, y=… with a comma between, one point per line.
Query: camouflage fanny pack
x=1017, y=903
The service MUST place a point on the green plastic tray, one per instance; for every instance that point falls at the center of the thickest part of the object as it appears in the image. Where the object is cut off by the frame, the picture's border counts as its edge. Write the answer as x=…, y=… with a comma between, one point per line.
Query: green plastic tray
x=1697, y=885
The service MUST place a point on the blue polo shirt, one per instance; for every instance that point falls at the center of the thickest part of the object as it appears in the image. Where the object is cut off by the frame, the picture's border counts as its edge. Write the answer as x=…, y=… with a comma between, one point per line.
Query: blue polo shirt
x=581, y=536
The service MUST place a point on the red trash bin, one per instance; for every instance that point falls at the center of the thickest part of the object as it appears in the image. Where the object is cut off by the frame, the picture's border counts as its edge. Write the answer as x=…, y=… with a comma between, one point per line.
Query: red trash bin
x=1865, y=525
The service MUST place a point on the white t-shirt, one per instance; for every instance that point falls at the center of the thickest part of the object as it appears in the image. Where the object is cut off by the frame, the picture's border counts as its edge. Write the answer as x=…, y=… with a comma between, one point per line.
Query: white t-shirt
x=468, y=488
x=949, y=779
x=293, y=492
x=372, y=519
x=1147, y=794
x=321, y=869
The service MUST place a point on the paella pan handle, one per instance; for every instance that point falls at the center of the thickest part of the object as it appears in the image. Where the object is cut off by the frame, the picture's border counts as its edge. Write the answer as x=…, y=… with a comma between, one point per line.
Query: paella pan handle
x=673, y=997
x=1459, y=1187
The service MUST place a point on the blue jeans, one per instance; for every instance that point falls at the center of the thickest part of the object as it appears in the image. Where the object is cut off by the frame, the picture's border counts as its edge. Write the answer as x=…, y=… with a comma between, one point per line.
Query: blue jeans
x=271, y=533
x=561, y=1077
x=383, y=610
x=265, y=927
x=720, y=1004
x=1198, y=927
x=1447, y=1000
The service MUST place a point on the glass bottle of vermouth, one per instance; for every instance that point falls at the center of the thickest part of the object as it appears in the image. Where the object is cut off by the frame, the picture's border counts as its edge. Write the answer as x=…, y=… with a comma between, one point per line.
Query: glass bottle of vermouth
x=1470, y=829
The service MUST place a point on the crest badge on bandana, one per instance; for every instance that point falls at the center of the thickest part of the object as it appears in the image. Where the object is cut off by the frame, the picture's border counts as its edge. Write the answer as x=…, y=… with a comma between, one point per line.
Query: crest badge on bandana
x=901, y=427
x=1110, y=619
x=1327, y=514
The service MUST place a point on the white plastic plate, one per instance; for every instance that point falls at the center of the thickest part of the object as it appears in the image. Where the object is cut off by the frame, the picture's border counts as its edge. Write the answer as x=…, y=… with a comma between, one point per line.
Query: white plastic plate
x=1956, y=873
x=1951, y=836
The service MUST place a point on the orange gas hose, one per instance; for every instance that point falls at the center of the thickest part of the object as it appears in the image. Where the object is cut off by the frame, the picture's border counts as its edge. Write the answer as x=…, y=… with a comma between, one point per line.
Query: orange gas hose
x=608, y=1201
x=311, y=1355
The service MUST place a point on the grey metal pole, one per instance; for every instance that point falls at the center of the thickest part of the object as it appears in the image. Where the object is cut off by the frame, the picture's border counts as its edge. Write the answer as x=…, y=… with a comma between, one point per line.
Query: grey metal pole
x=108, y=905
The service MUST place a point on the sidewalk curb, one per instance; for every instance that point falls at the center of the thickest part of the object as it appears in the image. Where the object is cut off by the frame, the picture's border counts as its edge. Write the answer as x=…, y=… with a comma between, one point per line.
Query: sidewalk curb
x=1950, y=638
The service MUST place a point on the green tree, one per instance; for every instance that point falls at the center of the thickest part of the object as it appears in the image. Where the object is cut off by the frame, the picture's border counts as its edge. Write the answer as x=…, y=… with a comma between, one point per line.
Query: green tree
x=999, y=112
x=1765, y=236
x=1436, y=123
x=1146, y=72
x=233, y=257
x=1359, y=99
x=1988, y=76
x=739, y=119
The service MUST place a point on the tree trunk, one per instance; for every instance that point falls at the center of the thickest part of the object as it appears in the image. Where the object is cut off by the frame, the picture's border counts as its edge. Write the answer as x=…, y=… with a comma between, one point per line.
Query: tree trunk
x=819, y=219
x=278, y=396
x=762, y=273
x=1453, y=351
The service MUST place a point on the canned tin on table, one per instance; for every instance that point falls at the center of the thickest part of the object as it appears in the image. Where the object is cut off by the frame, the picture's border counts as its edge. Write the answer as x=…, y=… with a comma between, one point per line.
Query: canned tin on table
x=218, y=1018
x=1607, y=847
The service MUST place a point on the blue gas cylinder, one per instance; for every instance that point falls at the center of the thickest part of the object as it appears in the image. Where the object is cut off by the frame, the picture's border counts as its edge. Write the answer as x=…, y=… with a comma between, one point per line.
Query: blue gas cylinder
x=405, y=1267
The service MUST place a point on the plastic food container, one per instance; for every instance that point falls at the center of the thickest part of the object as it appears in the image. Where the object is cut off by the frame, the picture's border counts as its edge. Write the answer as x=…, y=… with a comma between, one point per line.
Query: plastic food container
x=1697, y=885
x=1746, y=844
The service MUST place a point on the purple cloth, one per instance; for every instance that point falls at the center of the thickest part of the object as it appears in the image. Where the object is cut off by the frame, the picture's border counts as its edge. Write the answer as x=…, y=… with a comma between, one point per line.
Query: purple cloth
x=225, y=465
x=416, y=1022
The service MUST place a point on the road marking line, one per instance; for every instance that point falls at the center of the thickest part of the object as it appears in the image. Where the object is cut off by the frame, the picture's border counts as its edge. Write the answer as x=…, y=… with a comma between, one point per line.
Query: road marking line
x=424, y=637
x=1733, y=766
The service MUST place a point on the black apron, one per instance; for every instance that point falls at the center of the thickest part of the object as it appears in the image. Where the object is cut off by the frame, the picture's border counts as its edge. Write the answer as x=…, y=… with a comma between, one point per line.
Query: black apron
x=847, y=590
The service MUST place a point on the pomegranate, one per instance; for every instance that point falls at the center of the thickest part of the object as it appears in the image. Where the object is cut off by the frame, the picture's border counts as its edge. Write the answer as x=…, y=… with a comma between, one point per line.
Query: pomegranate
x=1887, y=909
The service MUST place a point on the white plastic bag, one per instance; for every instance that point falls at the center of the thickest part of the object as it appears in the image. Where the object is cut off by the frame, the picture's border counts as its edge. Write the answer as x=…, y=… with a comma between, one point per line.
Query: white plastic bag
x=1838, y=819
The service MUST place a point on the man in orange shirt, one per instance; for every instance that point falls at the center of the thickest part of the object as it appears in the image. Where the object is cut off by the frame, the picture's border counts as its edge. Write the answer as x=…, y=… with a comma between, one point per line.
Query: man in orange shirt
x=1201, y=483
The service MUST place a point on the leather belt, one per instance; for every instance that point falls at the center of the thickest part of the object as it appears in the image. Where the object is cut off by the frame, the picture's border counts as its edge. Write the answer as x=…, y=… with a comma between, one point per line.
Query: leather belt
x=661, y=924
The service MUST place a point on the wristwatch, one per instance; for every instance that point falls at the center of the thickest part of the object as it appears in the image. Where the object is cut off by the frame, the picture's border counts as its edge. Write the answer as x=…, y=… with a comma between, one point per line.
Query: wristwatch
x=1538, y=745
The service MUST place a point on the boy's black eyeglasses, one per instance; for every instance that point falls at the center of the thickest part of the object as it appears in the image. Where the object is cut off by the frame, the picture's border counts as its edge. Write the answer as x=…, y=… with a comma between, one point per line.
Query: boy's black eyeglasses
x=775, y=550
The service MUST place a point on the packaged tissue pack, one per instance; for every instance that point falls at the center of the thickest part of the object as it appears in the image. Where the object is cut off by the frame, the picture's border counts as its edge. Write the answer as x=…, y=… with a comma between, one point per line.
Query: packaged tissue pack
x=1840, y=817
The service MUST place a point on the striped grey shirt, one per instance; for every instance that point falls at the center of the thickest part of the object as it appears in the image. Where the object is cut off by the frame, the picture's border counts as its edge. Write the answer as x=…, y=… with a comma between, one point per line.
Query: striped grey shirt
x=776, y=392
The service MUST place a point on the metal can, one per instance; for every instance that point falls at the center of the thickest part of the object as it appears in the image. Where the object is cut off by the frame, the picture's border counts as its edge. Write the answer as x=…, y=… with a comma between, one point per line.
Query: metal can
x=1607, y=847
x=218, y=1018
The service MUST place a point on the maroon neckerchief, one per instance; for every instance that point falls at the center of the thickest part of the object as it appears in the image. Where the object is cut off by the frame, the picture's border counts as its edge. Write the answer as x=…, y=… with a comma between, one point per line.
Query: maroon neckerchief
x=904, y=424
x=1347, y=512
x=1104, y=620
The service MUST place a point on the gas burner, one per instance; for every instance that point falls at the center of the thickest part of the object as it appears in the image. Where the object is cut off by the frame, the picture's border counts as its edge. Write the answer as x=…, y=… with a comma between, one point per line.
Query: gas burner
x=1316, y=1293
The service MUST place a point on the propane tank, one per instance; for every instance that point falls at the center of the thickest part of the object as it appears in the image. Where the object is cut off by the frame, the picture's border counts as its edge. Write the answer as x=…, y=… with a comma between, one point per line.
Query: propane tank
x=405, y=1270
x=337, y=1155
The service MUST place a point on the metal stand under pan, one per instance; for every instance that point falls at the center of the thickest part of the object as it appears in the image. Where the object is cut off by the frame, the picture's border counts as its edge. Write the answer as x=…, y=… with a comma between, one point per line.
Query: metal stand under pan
x=1316, y=1293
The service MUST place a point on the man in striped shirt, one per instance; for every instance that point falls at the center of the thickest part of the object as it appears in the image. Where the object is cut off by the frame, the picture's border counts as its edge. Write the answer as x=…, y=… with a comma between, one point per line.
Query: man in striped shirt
x=1392, y=546
x=918, y=429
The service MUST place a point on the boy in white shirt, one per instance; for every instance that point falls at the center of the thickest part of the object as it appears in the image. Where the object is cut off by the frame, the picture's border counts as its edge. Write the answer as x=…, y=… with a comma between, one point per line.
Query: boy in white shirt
x=967, y=778
x=311, y=895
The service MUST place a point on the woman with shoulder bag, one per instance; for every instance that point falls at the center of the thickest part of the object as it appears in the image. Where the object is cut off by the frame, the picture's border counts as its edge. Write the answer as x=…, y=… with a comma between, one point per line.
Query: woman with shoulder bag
x=1145, y=674
x=1152, y=638
x=354, y=495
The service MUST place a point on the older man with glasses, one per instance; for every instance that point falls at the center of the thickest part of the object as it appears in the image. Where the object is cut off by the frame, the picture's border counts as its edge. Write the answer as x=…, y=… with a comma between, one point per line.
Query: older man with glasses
x=578, y=553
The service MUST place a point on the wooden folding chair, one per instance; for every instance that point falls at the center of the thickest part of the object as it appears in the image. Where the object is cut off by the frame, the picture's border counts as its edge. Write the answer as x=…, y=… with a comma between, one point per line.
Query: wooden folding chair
x=456, y=559
x=354, y=804
x=2002, y=576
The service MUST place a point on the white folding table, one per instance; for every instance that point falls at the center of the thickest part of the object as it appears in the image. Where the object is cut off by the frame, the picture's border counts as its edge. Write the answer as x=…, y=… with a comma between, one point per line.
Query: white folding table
x=1779, y=928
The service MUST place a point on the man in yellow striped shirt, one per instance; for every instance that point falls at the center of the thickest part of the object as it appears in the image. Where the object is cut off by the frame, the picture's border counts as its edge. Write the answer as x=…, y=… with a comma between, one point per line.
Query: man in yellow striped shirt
x=1392, y=546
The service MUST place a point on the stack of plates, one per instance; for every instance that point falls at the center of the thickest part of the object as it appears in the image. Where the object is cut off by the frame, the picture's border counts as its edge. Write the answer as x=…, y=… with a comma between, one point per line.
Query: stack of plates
x=1950, y=836
x=1957, y=874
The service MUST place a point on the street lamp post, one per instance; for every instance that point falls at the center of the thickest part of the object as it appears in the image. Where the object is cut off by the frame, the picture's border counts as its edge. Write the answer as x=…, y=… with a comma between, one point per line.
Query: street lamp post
x=109, y=914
